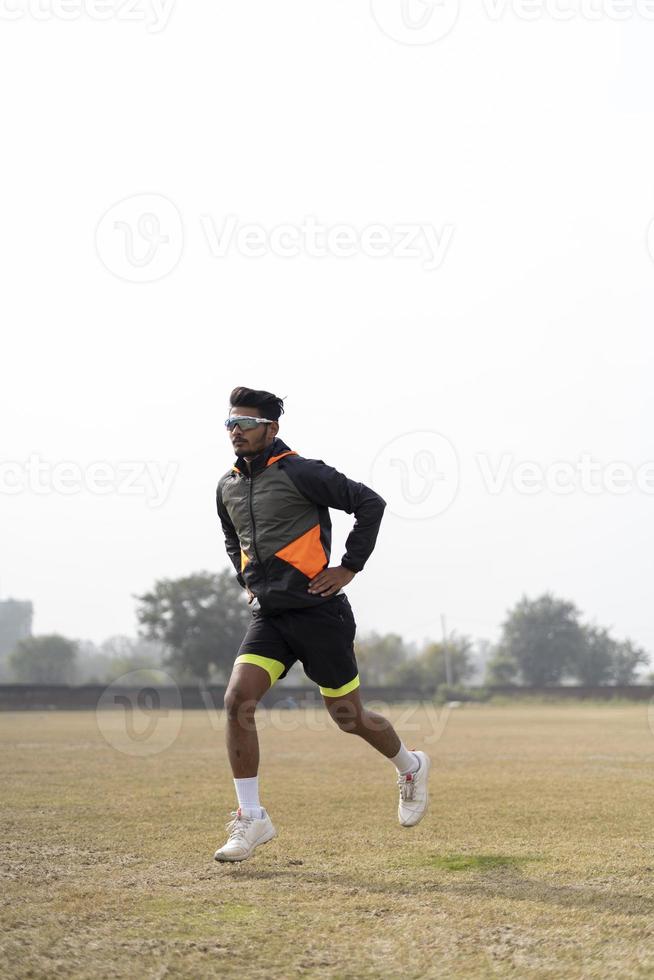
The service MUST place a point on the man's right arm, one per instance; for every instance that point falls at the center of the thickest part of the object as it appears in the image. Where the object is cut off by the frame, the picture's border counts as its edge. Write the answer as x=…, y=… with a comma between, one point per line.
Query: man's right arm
x=232, y=544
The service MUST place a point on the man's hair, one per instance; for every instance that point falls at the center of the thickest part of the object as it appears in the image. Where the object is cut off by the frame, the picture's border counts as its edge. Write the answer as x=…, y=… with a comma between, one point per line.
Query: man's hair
x=270, y=406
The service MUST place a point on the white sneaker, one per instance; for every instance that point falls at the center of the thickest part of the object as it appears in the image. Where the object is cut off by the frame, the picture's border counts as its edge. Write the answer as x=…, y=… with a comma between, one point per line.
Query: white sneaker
x=414, y=793
x=245, y=835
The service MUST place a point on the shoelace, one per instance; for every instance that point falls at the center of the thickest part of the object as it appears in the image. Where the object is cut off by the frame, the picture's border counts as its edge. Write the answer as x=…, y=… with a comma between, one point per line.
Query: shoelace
x=238, y=826
x=407, y=786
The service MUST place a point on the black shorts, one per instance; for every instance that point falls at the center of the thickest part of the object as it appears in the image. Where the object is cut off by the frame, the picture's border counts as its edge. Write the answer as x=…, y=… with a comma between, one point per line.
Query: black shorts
x=320, y=637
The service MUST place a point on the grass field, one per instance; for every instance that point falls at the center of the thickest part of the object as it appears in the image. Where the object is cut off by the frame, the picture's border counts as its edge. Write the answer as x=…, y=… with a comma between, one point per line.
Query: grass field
x=536, y=858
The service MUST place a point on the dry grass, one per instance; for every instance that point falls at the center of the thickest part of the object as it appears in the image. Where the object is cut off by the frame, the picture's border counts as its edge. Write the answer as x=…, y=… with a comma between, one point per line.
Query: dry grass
x=535, y=860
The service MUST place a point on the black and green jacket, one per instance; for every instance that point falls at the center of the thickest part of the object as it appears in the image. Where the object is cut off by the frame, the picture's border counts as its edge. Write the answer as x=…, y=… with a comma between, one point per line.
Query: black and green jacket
x=277, y=526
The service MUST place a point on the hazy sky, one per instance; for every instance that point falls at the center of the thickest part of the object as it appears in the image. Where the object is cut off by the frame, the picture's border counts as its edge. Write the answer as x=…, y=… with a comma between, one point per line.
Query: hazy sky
x=438, y=252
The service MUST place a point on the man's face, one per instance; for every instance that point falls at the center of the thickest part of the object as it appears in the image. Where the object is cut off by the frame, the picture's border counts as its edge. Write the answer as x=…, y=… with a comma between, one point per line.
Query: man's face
x=251, y=441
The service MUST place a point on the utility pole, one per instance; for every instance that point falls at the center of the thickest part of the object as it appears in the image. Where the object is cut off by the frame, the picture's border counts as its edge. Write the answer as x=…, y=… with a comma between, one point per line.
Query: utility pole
x=446, y=652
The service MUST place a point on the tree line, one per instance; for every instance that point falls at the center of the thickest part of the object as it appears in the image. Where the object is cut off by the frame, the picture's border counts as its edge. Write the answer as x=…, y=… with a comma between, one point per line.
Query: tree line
x=56, y=659
x=192, y=627
x=543, y=643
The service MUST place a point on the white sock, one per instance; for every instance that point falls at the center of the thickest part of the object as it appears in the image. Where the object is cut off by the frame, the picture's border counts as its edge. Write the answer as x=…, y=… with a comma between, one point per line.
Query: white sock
x=405, y=761
x=247, y=793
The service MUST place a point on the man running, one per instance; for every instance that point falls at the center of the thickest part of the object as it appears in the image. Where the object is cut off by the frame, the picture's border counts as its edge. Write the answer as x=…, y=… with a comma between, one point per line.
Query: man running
x=274, y=509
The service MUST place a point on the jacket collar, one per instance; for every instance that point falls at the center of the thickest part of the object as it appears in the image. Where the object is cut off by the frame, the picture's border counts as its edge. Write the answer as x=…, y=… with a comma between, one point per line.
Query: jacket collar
x=259, y=462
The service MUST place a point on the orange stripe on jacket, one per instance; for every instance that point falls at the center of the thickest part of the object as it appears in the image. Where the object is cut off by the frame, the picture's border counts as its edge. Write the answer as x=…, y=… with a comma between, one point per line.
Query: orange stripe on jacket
x=306, y=552
x=273, y=459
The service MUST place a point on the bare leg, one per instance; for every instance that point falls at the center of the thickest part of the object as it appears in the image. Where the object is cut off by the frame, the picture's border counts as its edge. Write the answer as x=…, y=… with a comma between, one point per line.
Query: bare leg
x=350, y=715
x=246, y=687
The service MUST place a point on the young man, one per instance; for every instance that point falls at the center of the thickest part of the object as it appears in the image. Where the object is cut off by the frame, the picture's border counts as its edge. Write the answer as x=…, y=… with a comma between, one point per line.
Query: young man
x=274, y=509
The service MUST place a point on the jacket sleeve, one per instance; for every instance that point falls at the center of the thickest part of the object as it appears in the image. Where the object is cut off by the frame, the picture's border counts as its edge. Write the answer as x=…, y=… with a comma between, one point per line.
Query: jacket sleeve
x=327, y=487
x=232, y=544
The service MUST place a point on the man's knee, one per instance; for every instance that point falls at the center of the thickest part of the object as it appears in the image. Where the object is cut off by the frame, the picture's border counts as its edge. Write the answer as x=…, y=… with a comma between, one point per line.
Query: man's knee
x=346, y=717
x=358, y=721
x=239, y=702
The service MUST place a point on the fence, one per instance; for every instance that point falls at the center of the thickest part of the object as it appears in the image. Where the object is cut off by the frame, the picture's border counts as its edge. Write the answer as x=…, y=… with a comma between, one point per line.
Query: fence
x=53, y=697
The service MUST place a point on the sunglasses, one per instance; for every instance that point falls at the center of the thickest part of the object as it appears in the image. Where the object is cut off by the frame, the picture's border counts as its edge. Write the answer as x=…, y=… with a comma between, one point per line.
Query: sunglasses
x=244, y=422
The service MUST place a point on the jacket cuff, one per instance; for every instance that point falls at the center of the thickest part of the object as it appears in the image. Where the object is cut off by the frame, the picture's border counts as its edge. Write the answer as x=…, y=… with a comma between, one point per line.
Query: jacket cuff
x=352, y=566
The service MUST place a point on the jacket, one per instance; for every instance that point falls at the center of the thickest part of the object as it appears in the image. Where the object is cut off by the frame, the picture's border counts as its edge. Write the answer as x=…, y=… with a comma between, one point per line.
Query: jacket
x=277, y=526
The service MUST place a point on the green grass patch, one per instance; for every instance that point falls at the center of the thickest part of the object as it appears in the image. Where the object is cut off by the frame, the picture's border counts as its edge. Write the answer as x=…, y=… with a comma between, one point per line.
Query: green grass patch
x=475, y=862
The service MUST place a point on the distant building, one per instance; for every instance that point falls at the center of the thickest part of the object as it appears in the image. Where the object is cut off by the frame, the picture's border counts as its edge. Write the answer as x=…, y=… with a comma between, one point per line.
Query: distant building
x=15, y=624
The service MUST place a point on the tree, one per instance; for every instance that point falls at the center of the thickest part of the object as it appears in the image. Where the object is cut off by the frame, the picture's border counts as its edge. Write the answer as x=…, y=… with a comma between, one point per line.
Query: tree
x=501, y=669
x=626, y=659
x=435, y=656
x=428, y=670
x=595, y=661
x=412, y=674
x=379, y=657
x=127, y=655
x=116, y=656
x=44, y=660
x=605, y=660
x=200, y=620
x=543, y=638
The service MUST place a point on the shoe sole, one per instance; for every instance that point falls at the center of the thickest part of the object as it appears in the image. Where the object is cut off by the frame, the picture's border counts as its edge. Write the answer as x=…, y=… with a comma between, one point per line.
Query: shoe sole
x=416, y=822
x=226, y=859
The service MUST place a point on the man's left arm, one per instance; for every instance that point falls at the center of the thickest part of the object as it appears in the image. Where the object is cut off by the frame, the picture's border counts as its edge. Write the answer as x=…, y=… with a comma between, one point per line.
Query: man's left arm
x=327, y=487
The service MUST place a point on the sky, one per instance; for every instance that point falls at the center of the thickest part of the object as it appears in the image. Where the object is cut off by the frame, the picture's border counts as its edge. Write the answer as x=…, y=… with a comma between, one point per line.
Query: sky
x=426, y=225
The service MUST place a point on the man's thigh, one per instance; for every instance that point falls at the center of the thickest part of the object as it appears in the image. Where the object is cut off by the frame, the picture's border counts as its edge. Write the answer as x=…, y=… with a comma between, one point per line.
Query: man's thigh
x=264, y=651
x=322, y=638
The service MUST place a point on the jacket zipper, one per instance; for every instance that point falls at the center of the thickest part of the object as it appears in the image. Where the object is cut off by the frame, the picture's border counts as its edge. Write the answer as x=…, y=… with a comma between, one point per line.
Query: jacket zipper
x=252, y=525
